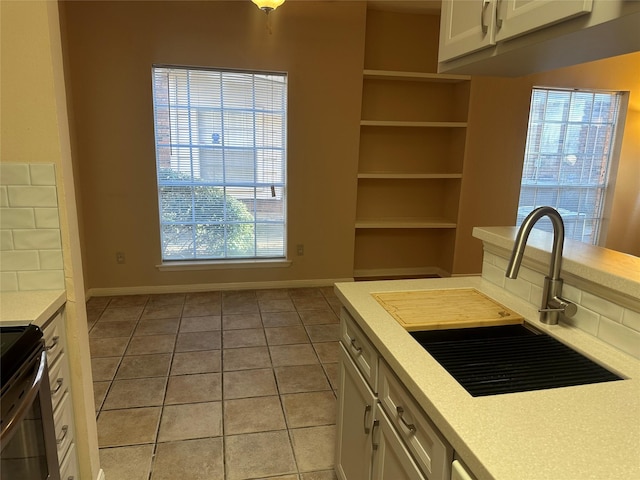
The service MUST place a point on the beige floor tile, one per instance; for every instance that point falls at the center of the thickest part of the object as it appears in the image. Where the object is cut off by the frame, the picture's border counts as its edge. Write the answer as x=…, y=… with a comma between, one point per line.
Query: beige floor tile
x=161, y=326
x=272, y=294
x=194, y=341
x=305, y=292
x=200, y=459
x=191, y=420
x=196, y=298
x=256, y=455
x=202, y=387
x=280, y=319
x=104, y=329
x=250, y=415
x=205, y=323
x=314, y=447
x=323, y=333
x=108, y=347
x=241, y=321
x=121, y=314
x=276, y=305
x=99, y=393
x=310, y=303
x=323, y=475
x=133, y=426
x=149, y=344
x=248, y=383
x=245, y=358
x=318, y=317
x=203, y=361
x=332, y=371
x=201, y=309
x=142, y=366
x=286, y=335
x=237, y=306
x=128, y=300
x=138, y=392
x=162, y=311
x=98, y=302
x=166, y=299
x=328, y=352
x=305, y=378
x=309, y=409
x=251, y=337
x=132, y=463
x=287, y=355
x=104, y=368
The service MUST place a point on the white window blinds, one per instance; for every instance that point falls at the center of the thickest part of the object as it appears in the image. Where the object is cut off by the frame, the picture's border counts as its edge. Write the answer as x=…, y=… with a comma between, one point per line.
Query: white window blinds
x=221, y=163
x=568, y=157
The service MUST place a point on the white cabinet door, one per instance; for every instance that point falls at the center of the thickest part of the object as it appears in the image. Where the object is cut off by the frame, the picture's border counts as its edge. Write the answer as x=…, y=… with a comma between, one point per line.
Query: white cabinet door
x=465, y=27
x=517, y=17
x=391, y=460
x=356, y=404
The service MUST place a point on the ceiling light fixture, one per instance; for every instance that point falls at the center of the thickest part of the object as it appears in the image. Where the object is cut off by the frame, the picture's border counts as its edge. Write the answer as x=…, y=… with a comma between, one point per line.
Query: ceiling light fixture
x=268, y=5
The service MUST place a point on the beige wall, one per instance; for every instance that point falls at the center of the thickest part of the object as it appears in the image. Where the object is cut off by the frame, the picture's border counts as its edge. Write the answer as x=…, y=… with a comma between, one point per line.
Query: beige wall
x=35, y=130
x=111, y=47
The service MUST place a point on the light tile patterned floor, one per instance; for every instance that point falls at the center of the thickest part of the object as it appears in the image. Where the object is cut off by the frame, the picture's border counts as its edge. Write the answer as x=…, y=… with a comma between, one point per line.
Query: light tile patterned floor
x=230, y=385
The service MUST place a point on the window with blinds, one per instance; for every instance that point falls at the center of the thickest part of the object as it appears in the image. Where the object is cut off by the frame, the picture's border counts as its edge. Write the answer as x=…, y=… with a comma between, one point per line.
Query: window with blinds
x=221, y=163
x=568, y=158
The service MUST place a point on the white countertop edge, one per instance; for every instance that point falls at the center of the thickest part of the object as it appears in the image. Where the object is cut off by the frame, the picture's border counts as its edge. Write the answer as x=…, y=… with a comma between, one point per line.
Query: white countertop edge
x=596, y=424
x=617, y=271
x=30, y=307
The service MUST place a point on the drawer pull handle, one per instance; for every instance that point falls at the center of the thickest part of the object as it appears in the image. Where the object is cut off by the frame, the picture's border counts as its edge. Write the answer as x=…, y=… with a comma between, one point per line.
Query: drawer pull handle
x=483, y=24
x=374, y=445
x=59, y=383
x=410, y=426
x=54, y=344
x=65, y=429
x=354, y=346
x=367, y=409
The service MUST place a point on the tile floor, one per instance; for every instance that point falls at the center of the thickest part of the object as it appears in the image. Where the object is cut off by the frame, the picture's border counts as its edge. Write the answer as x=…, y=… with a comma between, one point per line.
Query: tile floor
x=228, y=385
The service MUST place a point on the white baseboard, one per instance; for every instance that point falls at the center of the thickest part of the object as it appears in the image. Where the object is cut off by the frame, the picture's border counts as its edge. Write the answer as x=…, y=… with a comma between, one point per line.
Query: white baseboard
x=101, y=475
x=206, y=287
x=400, y=272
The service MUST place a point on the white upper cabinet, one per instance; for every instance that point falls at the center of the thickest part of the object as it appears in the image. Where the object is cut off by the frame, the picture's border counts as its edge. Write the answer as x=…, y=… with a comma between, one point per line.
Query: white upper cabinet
x=517, y=17
x=519, y=37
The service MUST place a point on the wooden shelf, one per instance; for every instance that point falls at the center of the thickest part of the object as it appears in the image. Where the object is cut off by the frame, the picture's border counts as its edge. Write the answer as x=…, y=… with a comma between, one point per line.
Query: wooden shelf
x=416, y=223
x=408, y=176
x=395, y=123
x=414, y=76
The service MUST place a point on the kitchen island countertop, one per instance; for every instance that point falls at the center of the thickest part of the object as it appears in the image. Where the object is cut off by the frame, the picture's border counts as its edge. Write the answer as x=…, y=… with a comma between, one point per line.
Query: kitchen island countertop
x=581, y=432
x=26, y=307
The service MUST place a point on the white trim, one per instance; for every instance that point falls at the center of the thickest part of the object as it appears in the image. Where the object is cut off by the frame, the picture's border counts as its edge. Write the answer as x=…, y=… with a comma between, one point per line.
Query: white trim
x=205, y=287
x=399, y=272
x=223, y=264
x=101, y=475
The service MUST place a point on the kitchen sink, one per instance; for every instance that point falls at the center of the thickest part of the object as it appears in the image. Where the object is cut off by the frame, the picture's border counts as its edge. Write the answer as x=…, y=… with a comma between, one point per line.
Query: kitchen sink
x=509, y=359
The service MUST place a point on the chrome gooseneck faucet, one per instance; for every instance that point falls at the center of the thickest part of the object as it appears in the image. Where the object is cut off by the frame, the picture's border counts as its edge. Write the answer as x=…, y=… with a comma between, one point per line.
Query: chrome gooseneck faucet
x=552, y=303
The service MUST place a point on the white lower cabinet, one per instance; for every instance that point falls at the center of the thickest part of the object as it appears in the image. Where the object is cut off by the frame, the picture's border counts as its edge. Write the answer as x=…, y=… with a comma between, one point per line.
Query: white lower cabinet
x=385, y=435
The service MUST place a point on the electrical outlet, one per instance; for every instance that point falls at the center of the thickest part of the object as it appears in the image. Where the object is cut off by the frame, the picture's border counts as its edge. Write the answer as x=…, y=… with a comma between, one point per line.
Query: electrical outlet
x=300, y=249
x=120, y=257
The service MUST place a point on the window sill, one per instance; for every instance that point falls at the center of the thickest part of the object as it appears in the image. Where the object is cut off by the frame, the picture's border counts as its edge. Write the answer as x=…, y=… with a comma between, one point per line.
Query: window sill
x=223, y=264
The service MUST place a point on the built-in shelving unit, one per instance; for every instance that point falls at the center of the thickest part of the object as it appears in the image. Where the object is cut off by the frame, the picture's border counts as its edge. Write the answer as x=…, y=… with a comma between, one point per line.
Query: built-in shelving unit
x=412, y=136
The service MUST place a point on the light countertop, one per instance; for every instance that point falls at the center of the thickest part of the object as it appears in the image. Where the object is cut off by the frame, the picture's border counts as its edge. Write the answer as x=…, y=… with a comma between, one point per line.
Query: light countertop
x=23, y=308
x=580, y=432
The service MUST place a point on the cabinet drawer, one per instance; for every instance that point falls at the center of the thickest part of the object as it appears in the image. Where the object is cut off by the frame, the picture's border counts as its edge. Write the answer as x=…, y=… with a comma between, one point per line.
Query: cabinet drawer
x=69, y=466
x=431, y=451
x=58, y=379
x=63, y=421
x=360, y=349
x=54, y=338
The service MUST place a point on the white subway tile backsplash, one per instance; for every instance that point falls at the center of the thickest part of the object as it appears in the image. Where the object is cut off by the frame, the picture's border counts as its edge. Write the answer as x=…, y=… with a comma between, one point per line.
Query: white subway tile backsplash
x=47, y=218
x=585, y=320
x=20, y=260
x=631, y=319
x=602, y=306
x=42, y=174
x=30, y=241
x=493, y=274
x=8, y=281
x=28, y=196
x=620, y=336
x=37, y=239
x=41, y=280
x=518, y=287
x=14, y=174
x=11, y=218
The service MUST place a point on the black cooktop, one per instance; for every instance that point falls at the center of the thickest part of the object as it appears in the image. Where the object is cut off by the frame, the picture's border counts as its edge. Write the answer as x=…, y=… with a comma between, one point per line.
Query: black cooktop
x=509, y=359
x=17, y=345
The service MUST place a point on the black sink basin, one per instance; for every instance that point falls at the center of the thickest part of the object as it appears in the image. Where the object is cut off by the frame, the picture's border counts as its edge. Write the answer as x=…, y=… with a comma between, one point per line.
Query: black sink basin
x=509, y=359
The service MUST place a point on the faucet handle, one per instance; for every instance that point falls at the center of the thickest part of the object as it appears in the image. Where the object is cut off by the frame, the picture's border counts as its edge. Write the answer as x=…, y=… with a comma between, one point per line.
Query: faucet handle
x=559, y=304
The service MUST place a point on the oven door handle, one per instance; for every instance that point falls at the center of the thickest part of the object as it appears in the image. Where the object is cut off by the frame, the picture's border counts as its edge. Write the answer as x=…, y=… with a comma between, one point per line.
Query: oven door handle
x=27, y=400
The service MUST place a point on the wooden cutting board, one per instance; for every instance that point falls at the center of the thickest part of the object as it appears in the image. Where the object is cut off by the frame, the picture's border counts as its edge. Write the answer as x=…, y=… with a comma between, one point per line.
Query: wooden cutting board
x=450, y=308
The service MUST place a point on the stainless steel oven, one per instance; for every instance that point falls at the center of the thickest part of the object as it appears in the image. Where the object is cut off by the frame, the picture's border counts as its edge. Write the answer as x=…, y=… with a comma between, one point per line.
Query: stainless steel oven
x=27, y=434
